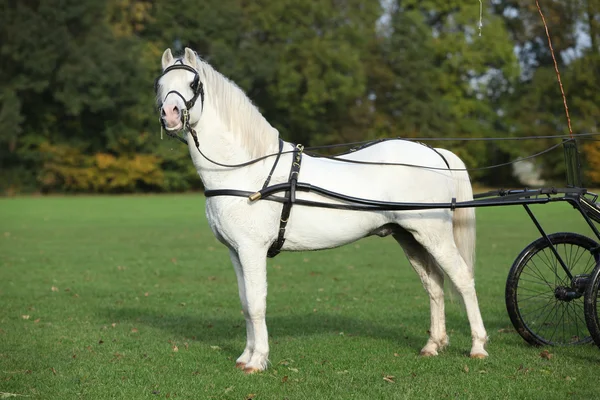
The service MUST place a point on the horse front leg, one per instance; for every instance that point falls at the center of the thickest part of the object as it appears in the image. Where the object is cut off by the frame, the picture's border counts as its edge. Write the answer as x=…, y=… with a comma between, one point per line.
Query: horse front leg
x=251, y=271
x=239, y=273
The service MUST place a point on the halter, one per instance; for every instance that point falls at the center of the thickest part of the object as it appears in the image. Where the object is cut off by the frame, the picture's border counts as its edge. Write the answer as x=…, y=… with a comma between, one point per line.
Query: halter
x=197, y=88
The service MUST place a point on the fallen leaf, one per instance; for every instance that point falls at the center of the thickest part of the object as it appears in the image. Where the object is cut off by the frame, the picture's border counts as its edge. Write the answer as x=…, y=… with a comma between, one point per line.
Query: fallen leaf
x=284, y=379
x=175, y=348
x=186, y=345
x=174, y=260
x=250, y=396
x=546, y=354
x=466, y=368
x=293, y=369
x=134, y=330
x=229, y=389
x=54, y=371
x=215, y=347
x=36, y=321
x=54, y=289
x=25, y=316
x=389, y=378
x=6, y=395
x=114, y=324
x=396, y=355
x=147, y=294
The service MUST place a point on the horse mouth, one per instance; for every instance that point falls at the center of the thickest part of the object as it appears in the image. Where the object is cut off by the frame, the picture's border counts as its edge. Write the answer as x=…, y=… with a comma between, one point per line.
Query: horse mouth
x=177, y=127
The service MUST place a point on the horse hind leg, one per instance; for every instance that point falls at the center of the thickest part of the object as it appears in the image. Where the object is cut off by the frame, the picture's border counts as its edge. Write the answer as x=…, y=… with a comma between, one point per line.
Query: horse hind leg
x=447, y=256
x=433, y=282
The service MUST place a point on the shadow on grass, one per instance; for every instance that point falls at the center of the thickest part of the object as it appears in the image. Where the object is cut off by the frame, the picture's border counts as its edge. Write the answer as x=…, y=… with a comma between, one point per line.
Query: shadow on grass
x=221, y=329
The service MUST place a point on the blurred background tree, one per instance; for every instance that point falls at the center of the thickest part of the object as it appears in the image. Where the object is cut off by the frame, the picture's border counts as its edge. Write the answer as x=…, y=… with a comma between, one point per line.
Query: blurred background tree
x=77, y=108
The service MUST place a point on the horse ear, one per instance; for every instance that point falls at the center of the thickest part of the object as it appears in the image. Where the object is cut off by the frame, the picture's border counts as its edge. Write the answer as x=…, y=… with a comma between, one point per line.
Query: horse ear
x=190, y=57
x=167, y=58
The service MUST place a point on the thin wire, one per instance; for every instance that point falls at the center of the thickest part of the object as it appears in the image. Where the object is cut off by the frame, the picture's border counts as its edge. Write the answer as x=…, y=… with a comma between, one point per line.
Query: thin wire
x=562, y=91
x=549, y=149
x=460, y=139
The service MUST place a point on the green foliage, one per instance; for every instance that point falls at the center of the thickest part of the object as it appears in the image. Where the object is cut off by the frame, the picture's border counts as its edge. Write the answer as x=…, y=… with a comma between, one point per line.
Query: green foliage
x=80, y=77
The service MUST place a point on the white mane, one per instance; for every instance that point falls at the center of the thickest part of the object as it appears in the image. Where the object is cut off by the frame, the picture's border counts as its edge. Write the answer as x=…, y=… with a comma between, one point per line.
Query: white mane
x=237, y=111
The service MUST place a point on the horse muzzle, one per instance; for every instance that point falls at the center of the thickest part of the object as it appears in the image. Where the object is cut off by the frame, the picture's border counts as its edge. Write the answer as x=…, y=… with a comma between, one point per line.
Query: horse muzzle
x=172, y=118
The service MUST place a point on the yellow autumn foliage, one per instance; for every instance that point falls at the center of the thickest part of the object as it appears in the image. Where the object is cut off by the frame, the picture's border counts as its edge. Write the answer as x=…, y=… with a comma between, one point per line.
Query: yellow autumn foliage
x=67, y=169
x=591, y=152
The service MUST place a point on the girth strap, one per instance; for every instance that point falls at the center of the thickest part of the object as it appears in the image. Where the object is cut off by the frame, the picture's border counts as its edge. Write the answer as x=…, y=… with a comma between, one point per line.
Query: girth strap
x=290, y=196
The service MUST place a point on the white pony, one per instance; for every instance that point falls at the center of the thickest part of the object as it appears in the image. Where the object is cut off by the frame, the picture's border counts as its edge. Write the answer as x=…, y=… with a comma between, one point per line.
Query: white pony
x=229, y=130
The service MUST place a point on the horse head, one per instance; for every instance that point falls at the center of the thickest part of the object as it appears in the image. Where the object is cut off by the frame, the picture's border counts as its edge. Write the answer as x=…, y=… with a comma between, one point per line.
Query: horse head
x=179, y=91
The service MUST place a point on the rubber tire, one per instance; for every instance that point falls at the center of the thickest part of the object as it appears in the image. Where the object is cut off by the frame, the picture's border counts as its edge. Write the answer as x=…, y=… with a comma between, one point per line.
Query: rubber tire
x=512, y=284
x=591, y=307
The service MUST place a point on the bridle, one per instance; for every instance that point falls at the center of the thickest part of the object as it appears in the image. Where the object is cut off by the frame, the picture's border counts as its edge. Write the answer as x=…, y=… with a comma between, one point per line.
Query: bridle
x=197, y=88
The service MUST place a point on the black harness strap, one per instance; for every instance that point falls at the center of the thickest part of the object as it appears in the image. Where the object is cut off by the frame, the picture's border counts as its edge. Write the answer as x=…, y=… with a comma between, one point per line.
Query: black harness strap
x=438, y=153
x=290, y=196
x=274, y=165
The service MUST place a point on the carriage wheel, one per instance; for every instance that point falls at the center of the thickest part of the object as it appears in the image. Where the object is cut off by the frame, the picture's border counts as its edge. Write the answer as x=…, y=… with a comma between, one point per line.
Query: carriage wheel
x=544, y=305
x=591, y=305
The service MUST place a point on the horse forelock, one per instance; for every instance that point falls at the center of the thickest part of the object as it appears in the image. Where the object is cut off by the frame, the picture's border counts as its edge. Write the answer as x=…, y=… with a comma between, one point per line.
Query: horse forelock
x=241, y=117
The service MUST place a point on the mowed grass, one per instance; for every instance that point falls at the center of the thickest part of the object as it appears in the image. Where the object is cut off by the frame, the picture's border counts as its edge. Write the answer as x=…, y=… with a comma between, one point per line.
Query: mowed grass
x=133, y=298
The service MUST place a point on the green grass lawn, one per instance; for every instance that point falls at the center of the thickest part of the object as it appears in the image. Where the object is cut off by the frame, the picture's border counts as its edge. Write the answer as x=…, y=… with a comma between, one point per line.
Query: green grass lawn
x=132, y=297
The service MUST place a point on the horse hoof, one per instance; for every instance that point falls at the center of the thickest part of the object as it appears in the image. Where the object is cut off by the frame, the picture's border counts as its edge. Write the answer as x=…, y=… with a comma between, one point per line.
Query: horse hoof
x=428, y=353
x=251, y=370
x=479, y=356
x=240, y=365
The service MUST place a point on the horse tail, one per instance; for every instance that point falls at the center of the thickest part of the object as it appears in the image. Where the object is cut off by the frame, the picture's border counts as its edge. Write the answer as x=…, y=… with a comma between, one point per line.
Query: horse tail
x=463, y=220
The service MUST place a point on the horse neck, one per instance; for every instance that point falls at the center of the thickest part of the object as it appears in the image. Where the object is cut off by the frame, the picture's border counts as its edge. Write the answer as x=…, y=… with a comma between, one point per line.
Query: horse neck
x=220, y=143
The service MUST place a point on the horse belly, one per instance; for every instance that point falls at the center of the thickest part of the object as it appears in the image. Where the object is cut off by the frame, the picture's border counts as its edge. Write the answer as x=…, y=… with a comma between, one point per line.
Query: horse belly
x=312, y=228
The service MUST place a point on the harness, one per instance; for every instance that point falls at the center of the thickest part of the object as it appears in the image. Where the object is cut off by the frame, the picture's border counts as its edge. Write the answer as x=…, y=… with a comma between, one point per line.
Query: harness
x=292, y=186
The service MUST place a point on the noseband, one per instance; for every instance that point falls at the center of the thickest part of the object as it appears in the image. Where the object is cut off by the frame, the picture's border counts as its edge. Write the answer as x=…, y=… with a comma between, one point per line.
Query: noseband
x=196, y=86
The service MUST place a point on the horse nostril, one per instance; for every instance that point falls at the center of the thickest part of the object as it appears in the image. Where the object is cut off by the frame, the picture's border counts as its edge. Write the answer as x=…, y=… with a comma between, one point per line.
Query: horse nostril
x=162, y=112
x=175, y=109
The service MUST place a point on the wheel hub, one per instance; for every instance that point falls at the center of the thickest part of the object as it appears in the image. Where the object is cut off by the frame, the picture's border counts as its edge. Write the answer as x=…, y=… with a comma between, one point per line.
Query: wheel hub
x=575, y=291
